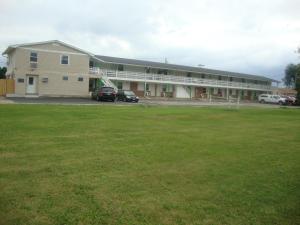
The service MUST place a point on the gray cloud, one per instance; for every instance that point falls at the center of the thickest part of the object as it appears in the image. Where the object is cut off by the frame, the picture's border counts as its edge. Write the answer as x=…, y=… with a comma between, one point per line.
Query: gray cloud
x=250, y=36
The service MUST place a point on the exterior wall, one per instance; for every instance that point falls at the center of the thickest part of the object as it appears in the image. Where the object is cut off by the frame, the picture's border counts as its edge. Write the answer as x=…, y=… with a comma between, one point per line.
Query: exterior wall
x=158, y=90
x=49, y=66
x=20, y=87
x=152, y=89
x=55, y=86
x=12, y=63
x=126, y=85
x=182, y=92
x=50, y=61
x=141, y=86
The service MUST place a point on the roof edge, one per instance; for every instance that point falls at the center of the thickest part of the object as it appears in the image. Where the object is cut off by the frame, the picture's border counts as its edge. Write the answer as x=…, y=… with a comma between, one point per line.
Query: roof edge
x=220, y=71
x=11, y=47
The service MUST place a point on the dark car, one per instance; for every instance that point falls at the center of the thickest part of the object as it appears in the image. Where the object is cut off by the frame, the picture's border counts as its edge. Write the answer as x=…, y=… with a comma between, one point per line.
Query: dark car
x=127, y=96
x=104, y=94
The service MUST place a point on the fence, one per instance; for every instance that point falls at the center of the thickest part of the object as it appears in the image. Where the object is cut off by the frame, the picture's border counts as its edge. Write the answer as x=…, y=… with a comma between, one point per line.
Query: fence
x=7, y=86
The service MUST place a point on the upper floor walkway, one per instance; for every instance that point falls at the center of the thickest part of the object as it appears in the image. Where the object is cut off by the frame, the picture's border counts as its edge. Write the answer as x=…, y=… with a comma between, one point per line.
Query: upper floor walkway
x=172, y=79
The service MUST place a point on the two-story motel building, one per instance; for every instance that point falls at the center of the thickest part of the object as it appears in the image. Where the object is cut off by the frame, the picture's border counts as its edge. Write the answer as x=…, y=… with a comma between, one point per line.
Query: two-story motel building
x=54, y=68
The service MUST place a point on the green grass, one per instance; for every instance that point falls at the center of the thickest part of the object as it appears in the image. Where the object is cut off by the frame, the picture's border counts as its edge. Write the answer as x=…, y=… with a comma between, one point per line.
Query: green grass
x=148, y=165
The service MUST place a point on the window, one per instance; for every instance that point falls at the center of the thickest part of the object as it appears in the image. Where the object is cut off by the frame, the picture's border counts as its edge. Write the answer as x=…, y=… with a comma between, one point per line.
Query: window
x=164, y=88
x=80, y=78
x=20, y=80
x=64, y=59
x=147, y=87
x=92, y=64
x=65, y=78
x=30, y=81
x=33, y=57
x=167, y=88
x=162, y=72
x=120, y=68
x=230, y=78
x=220, y=91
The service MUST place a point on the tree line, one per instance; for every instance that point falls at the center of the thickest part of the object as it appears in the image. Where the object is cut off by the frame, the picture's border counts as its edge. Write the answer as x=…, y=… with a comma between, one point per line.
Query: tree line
x=292, y=77
x=2, y=72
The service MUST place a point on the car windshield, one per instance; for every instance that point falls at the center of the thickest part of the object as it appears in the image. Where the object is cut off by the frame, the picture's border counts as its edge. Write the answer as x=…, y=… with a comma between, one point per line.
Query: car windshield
x=107, y=89
x=129, y=93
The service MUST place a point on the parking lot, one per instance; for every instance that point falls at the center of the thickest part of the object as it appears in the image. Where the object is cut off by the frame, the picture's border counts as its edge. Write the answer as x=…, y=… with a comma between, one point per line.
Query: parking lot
x=161, y=102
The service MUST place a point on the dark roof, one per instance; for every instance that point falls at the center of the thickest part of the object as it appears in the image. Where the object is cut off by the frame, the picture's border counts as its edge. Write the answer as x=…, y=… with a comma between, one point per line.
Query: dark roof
x=168, y=66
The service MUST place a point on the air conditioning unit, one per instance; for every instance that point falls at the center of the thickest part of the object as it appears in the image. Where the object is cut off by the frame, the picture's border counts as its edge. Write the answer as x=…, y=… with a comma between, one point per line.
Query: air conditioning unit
x=33, y=65
x=45, y=80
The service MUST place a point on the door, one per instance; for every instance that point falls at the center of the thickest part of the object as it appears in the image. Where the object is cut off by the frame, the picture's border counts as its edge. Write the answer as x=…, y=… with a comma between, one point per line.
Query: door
x=31, y=85
x=133, y=86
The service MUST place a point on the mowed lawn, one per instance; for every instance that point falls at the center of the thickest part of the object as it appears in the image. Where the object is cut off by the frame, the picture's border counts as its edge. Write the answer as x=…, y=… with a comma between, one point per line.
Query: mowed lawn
x=149, y=165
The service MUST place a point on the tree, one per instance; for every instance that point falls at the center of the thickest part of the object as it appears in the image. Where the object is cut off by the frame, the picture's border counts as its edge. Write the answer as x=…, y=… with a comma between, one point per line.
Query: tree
x=292, y=78
x=290, y=75
x=2, y=72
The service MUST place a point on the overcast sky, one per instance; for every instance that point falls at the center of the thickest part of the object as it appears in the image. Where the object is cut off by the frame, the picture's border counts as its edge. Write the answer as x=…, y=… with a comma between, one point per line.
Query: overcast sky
x=250, y=36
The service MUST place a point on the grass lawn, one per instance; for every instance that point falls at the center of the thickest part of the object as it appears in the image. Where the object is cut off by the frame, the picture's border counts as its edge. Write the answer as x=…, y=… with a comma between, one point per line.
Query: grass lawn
x=148, y=165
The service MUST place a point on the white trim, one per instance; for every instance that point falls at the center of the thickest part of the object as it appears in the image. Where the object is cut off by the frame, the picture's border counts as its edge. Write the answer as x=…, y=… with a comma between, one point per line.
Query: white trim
x=37, y=57
x=188, y=71
x=46, y=42
x=52, y=51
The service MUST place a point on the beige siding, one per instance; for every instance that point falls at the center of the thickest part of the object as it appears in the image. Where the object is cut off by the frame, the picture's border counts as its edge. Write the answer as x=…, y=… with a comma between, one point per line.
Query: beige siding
x=50, y=61
x=56, y=86
x=20, y=87
x=12, y=63
x=49, y=66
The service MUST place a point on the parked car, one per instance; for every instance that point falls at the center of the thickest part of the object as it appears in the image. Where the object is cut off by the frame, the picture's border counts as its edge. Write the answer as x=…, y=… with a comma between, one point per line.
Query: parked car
x=275, y=99
x=290, y=100
x=127, y=96
x=104, y=94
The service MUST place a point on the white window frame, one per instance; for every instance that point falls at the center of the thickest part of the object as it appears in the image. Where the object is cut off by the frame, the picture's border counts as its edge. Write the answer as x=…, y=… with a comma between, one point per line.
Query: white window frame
x=37, y=57
x=61, y=60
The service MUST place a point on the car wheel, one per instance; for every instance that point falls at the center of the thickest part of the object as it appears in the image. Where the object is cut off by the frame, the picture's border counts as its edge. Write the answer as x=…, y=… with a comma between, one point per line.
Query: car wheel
x=280, y=103
x=262, y=101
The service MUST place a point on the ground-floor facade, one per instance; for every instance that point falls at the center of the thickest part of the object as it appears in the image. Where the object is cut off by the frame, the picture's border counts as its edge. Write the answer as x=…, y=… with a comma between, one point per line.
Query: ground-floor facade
x=81, y=85
x=144, y=89
x=51, y=84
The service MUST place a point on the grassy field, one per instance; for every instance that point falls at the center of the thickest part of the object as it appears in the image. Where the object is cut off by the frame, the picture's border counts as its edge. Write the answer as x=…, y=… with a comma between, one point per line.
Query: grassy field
x=148, y=165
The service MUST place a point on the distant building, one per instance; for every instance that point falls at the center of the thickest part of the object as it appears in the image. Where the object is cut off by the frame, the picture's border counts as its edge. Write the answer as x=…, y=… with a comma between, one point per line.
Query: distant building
x=284, y=91
x=54, y=68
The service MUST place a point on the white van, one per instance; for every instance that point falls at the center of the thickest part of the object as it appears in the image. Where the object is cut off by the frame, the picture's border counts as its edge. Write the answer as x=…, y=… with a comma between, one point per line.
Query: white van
x=267, y=98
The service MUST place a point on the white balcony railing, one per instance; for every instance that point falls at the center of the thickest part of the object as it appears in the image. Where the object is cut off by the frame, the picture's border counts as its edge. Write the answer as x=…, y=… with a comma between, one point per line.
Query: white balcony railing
x=172, y=79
